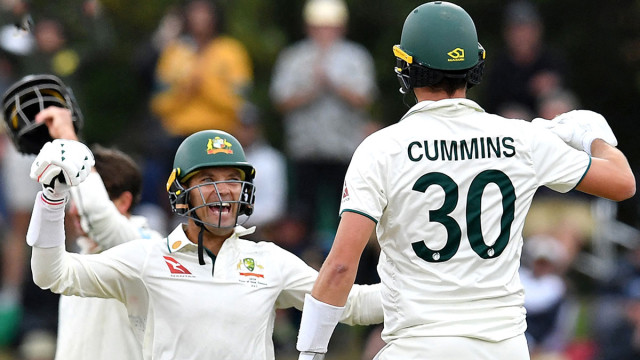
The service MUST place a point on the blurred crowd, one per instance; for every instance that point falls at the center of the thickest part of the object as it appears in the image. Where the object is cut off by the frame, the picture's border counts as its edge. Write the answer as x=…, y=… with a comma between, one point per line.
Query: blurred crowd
x=581, y=267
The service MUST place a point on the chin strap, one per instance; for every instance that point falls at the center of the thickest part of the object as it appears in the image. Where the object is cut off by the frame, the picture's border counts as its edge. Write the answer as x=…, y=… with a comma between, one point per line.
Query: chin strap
x=200, y=246
x=404, y=98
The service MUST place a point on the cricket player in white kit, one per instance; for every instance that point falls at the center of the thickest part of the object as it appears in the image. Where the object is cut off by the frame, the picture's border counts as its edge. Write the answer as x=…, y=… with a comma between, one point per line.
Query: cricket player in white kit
x=447, y=190
x=94, y=328
x=201, y=293
x=88, y=328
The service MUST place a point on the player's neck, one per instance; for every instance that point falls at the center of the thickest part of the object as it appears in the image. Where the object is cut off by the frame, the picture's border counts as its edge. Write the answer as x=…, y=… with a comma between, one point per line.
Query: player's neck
x=430, y=94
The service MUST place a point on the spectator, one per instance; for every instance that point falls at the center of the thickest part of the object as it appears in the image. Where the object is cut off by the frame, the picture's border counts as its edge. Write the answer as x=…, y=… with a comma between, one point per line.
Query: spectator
x=202, y=80
x=322, y=85
x=549, y=319
x=556, y=102
x=527, y=68
x=622, y=341
x=272, y=179
x=202, y=77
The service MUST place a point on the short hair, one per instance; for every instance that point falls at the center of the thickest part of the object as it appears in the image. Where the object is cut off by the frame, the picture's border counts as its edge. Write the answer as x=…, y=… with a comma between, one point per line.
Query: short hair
x=119, y=173
x=450, y=85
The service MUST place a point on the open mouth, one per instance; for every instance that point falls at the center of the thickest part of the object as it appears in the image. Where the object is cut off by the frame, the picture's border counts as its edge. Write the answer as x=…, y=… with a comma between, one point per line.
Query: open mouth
x=220, y=208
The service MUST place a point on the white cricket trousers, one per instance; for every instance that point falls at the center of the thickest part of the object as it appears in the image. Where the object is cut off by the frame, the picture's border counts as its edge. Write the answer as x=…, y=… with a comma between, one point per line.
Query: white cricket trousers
x=454, y=348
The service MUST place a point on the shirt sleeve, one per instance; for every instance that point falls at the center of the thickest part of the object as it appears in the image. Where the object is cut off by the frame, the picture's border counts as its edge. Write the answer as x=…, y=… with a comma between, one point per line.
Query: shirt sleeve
x=297, y=280
x=363, y=190
x=110, y=274
x=364, y=304
x=100, y=218
x=557, y=165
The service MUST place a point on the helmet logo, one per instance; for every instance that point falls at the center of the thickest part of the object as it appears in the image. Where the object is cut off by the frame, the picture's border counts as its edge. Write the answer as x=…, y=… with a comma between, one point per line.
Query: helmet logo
x=218, y=145
x=456, y=54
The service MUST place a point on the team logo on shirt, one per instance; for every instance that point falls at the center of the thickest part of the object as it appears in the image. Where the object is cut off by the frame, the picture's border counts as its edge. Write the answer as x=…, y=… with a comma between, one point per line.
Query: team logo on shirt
x=175, y=267
x=218, y=145
x=249, y=263
x=249, y=267
x=250, y=272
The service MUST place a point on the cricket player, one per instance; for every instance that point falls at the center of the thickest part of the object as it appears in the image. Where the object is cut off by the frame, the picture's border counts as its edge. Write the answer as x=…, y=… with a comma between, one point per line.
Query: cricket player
x=94, y=328
x=447, y=190
x=204, y=291
x=88, y=328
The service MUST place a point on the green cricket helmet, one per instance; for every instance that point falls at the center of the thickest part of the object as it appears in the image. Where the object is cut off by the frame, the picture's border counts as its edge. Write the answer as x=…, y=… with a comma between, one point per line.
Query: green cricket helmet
x=438, y=40
x=205, y=149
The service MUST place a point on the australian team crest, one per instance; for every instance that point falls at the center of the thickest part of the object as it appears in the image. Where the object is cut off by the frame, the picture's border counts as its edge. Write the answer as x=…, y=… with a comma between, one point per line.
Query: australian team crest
x=251, y=272
x=249, y=263
x=219, y=145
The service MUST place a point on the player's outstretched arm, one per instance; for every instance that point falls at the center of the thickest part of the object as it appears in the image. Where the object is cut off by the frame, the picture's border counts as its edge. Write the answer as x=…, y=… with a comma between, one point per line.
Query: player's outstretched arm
x=609, y=175
x=324, y=307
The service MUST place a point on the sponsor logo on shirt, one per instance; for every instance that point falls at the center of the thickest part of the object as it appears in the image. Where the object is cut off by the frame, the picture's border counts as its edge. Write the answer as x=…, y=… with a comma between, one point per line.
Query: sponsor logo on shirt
x=176, y=269
x=345, y=192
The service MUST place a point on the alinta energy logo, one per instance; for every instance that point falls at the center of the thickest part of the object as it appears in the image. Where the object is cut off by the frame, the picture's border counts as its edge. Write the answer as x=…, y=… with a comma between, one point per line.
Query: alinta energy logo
x=456, y=54
x=176, y=269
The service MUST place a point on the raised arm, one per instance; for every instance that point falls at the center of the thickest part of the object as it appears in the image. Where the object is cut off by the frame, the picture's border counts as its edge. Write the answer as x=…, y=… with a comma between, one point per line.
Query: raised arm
x=609, y=175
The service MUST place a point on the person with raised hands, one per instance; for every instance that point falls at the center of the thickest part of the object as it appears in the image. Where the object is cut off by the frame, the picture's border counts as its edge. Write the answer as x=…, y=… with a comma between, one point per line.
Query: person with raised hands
x=59, y=165
x=191, y=290
x=101, y=208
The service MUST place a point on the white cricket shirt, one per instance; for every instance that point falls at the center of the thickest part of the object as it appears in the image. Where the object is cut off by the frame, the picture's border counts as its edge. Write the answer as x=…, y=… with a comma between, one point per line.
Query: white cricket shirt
x=93, y=328
x=449, y=187
x=224, y=309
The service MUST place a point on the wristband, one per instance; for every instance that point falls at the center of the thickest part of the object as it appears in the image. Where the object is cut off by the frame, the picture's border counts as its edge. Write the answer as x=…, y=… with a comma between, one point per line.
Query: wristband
x=46, y=228
x=318, y=322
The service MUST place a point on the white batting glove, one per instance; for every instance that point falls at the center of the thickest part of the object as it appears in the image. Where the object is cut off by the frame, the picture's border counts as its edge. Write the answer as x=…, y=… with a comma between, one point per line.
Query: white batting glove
x=60, y=165
x=578, y=128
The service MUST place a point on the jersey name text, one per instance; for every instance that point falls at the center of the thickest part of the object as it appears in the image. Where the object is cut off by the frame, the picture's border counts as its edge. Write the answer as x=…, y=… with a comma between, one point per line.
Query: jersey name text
x=455, y=150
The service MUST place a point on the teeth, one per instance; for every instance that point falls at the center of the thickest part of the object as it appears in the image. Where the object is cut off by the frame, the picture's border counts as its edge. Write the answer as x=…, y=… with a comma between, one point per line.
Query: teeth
x=222, y=205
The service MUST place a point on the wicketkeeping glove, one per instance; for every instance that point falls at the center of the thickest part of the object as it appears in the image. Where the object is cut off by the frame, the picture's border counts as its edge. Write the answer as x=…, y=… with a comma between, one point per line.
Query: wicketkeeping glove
x=578, y=128
x=59, y=165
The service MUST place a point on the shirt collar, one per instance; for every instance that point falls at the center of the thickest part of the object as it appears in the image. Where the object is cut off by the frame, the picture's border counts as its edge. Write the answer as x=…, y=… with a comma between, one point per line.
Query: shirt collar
x=448, y=104
x=177, y=240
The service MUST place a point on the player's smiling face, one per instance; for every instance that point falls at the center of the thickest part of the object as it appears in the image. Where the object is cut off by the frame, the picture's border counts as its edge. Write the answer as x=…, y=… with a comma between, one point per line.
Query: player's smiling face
x=216, y=195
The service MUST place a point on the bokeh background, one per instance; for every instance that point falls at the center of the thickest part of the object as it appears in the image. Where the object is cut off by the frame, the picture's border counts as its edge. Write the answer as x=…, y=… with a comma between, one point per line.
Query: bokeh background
x=600, y=41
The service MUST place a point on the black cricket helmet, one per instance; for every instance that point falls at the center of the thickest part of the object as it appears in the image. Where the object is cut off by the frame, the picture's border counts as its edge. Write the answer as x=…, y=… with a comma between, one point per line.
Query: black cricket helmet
x=25, y=99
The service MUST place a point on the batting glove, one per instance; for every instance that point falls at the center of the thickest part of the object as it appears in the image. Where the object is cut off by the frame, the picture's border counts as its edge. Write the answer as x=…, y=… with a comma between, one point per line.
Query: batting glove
x=578, y=128
x=60, y=165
